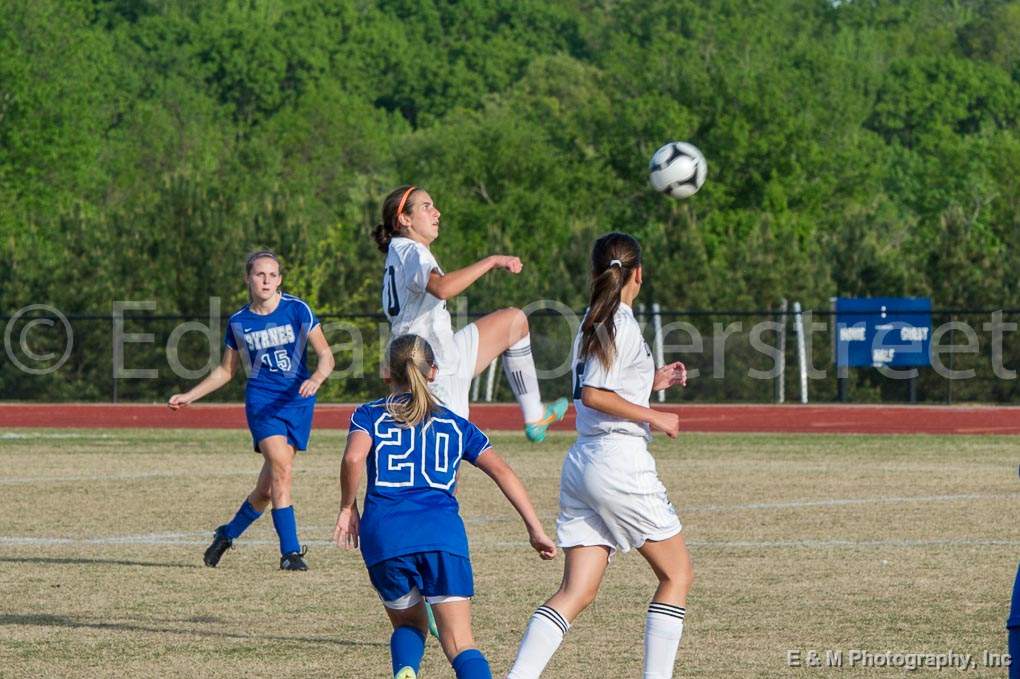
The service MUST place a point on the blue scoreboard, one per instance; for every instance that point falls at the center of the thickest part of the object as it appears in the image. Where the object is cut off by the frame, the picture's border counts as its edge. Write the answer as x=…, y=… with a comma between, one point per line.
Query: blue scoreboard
x=883, y=332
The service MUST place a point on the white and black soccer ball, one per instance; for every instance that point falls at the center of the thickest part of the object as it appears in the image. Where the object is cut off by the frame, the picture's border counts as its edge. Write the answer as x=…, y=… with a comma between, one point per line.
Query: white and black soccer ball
x=677, y=169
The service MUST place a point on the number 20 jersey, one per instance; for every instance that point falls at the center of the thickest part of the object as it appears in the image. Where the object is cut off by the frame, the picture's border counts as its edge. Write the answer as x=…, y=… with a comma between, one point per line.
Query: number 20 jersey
x=410, y=502
x=272, y=347
x=410, y=307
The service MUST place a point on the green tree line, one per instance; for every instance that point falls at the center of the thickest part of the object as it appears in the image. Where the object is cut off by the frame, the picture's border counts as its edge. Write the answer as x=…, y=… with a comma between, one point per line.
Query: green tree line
x=855, y=147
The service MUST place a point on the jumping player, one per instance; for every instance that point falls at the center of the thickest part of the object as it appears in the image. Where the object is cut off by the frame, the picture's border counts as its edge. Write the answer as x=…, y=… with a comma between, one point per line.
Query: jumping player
x=271, y=333
x=414, y=294
x=610, y=495
x=411, y=535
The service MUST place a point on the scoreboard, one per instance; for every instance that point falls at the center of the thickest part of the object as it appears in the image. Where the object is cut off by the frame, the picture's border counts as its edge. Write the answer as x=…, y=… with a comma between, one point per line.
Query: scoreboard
x=880, y=332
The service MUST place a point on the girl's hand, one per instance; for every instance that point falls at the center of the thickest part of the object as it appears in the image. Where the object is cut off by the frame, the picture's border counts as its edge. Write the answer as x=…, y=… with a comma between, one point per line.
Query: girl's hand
x=309, y=387
x=178, y=401
x=511, y=264
x=345, y=535
x=667, y=423
x=669, y=376
x=542, y=544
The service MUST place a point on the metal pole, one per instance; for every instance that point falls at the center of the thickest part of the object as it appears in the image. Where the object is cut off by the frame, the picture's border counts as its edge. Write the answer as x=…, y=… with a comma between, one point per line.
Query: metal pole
x=798, y=326
x=476, y=385
x=780, y=387
x=490, y=385
x=659, y=357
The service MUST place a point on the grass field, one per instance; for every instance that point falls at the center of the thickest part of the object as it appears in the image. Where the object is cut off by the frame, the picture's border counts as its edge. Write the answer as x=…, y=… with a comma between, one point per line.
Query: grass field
x=902, y=544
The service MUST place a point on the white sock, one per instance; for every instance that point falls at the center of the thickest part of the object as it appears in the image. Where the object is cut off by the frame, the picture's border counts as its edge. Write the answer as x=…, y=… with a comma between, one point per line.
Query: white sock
x=664, y=626
x=519, y=368
x=543, y=636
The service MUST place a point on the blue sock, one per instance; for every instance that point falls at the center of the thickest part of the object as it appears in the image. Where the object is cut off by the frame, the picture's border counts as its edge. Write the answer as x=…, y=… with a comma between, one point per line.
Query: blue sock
x=286, y=528
x=1013, y=624
x=471, y=664
x=245, y=517
x=407, y=646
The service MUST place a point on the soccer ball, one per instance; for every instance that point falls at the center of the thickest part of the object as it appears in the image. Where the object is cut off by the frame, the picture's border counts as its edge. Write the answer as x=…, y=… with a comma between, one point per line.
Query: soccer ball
x=677, y=169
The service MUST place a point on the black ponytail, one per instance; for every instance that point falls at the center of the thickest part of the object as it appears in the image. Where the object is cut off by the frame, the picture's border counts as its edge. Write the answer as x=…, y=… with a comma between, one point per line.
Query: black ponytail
x=613, y=260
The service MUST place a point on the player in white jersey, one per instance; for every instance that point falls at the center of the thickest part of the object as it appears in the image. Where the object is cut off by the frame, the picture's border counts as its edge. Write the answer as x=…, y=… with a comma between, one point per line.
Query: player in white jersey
x=610, y=495
x=414, y=293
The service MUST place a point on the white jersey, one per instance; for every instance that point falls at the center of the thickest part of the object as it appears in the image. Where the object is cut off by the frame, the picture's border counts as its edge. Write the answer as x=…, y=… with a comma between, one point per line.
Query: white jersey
x=631, y=376
x=410, y=307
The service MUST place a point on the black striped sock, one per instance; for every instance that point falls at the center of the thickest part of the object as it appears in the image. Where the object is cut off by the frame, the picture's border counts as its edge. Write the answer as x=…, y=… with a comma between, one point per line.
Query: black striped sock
x=554, y=617
x=677, y=612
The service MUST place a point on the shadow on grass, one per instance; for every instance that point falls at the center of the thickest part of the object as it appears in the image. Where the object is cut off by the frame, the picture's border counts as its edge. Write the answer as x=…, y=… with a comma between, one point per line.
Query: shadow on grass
x=44, y=620
x=85, y=562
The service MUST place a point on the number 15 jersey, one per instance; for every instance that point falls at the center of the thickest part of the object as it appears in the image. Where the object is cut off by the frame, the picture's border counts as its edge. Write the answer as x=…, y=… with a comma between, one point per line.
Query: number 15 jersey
x=410, y=505
x=410, y=307
x=272, y=347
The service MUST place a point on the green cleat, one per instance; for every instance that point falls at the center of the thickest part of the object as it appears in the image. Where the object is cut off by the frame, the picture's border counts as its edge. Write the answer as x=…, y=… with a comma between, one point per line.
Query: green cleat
x=405, y=673
x=433, y=630
x=554, y=412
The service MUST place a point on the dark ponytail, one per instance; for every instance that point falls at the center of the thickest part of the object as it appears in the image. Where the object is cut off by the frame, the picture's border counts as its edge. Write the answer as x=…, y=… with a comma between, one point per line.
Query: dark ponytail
x=613, y=260
x=398, y=200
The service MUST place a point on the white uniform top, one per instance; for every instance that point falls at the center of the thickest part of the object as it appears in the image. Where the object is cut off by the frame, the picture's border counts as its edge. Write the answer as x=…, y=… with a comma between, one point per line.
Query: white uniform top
x=410, y=307
x=631, y=376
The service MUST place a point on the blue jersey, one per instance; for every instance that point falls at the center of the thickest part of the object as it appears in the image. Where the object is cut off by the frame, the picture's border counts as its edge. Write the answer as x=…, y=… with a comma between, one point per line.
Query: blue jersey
x=273, y=348
x=410, y=504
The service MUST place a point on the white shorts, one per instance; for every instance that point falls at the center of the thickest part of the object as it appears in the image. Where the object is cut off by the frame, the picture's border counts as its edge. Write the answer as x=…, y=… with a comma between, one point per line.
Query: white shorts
x=611, y=495
x=452, y=385
x=412, y=598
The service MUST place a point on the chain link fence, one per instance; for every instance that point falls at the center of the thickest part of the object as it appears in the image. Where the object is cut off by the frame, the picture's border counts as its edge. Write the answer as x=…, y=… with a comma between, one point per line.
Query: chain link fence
x=732, y=356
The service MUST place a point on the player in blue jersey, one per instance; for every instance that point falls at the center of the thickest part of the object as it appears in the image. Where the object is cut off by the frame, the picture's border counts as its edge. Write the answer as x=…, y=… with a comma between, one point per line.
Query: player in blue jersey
x=270, y=333
x=414, y=293
x=411, y=535
x=610, y=495
x=1013, y=625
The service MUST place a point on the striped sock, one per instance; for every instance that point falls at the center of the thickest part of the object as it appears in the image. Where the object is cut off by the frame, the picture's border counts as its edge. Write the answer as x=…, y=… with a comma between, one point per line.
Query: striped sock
x=664, y=625
x=519, y=368
x=543, y=636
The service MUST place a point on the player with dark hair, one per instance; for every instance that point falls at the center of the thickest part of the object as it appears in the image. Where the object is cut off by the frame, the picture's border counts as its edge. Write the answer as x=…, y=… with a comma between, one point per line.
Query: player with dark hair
x=610, y=495
x=271, y=333
x=414, y=293
x=410, y=534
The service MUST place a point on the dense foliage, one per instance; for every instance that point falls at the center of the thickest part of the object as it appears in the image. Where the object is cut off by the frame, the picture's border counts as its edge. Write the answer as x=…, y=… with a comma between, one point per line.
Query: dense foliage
x=855, y=147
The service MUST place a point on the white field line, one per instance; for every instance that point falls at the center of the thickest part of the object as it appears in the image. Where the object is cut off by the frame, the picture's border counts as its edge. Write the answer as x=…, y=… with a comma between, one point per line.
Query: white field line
x=846, y=502
x=95, y=478
x=201, y=540
x=18, y=436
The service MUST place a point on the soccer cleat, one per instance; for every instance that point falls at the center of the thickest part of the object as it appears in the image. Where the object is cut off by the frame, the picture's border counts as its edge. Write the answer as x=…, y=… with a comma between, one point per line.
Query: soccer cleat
x=405, y=673
x=294, y=561
x=220, y=544
x=433, y=630
x=554, y=412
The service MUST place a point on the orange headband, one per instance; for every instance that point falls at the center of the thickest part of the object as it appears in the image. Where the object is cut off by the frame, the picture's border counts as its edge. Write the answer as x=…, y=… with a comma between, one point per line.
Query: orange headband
x=403, y=199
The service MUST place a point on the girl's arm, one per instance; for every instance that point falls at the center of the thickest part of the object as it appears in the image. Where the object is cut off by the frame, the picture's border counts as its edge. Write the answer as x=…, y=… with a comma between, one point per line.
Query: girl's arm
x=326, y=362
x=219, y=376
x=347, y=521
x=456, y=282
x=613, y=404
x=500, y=472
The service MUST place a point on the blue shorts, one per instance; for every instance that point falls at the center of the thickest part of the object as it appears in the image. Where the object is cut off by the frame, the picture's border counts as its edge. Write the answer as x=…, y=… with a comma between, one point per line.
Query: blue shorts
x=434, y=574
x=293, y=421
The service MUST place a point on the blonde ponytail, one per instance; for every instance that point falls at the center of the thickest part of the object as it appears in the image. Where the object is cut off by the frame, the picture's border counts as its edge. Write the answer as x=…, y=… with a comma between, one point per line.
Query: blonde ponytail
x=411, y=359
